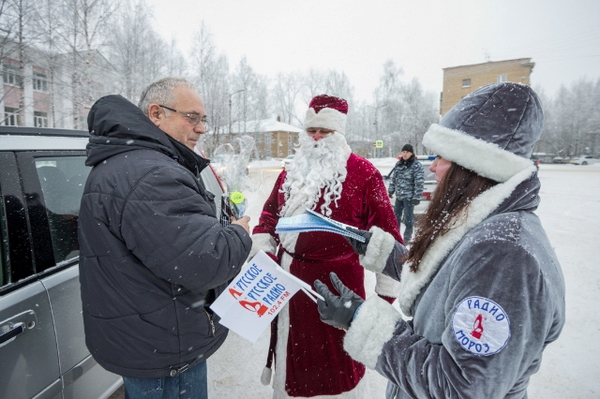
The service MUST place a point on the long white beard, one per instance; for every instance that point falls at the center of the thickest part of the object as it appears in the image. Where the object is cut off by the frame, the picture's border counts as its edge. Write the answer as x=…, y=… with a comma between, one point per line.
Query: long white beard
x=318, y=166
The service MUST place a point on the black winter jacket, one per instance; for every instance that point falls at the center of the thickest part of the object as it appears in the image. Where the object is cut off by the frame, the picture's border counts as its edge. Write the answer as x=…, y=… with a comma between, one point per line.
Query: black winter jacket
x=153, y=254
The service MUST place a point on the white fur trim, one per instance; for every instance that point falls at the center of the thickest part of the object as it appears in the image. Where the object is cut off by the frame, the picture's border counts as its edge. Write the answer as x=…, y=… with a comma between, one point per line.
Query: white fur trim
x=379, y=249
x=327, y=118
x=283, y=330
x=265, y=377
x=485, y=158
x=387, y=286
x=481, y=207
x=372, y=327
x=262, y=241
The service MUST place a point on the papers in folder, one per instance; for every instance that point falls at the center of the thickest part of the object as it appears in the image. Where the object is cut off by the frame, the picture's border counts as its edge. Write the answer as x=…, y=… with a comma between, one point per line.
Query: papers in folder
x=313, y=221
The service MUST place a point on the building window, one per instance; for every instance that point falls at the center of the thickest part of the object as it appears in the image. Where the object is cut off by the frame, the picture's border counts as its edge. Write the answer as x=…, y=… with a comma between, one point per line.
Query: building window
x=10, y=116
x=501, y=78
x=289, y=140
x=40, y=82
x=466, y=82
x=40, y=119
x=11, y=76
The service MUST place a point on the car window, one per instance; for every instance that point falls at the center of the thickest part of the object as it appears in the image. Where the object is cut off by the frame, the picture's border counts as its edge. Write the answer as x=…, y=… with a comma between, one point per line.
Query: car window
x=62, y=179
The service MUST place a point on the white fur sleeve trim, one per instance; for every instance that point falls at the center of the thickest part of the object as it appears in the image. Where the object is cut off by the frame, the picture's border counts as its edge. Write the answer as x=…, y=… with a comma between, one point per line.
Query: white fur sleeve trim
x=387, y=286
x=263, y=241
x=372, y=327
x=379, y=249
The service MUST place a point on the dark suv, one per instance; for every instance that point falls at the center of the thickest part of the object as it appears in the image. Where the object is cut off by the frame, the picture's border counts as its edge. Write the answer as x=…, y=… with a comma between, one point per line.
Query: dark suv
x=42, y=344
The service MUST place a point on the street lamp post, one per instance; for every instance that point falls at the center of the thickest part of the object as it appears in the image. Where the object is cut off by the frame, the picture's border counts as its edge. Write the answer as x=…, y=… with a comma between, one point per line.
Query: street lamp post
x=231, y=95
x=377, y=123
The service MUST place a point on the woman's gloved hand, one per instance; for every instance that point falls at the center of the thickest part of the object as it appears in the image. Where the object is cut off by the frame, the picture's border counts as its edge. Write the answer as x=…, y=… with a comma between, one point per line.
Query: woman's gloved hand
x=337, y=311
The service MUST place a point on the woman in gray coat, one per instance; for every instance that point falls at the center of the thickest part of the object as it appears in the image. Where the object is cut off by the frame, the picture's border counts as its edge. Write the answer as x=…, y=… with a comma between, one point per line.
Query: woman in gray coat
x=481, y=281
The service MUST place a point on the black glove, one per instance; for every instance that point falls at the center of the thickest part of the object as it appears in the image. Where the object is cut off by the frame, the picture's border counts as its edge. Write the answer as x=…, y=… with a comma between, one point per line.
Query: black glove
x=391, y=194
x=416, y=202
x=359, y=247
x=337, y=311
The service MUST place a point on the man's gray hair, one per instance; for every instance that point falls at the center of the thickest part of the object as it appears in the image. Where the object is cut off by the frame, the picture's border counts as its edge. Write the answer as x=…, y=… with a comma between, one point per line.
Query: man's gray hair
x=161, y=92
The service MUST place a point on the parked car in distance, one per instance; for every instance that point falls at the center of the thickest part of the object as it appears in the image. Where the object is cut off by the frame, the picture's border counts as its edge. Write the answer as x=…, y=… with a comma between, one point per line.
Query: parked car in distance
x=286, y=161
x=585, y=160
x=559, y=160
x=42, y=343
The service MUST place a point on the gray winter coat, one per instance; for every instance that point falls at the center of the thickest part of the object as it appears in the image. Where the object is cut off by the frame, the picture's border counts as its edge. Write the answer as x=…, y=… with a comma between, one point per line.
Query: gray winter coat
x=153, y=254
x=407, y=179
x=487, y=299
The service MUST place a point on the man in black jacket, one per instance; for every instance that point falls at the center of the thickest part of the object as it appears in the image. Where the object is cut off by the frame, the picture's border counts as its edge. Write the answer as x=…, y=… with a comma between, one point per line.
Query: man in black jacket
x=153, y=254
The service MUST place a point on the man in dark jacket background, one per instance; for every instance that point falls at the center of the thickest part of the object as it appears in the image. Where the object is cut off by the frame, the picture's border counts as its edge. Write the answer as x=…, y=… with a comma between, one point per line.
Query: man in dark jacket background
x=407, y=183
x=153, y=253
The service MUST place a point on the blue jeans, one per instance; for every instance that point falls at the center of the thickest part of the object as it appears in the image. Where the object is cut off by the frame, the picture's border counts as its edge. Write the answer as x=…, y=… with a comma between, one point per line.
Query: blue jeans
x=191, y=384
x=406, y=206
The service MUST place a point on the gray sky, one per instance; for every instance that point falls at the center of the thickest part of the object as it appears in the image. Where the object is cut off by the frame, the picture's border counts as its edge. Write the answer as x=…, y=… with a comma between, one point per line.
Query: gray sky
x=422, y=36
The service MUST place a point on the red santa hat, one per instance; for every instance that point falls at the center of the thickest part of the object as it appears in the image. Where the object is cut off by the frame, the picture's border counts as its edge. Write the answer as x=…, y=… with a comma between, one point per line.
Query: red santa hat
x=327, y=112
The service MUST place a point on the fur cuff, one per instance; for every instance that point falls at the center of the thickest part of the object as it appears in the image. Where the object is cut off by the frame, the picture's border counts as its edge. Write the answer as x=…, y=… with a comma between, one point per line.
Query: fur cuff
x=262, y=241
x=387, y=286
x=379, y=249
x=372, y=327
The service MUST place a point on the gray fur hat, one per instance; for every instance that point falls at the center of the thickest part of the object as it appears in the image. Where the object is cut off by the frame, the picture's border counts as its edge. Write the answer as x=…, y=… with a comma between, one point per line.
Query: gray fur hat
x=491, y=131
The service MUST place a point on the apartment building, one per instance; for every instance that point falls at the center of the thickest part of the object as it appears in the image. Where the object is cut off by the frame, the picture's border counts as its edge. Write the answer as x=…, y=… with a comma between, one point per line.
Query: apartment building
x=51, y=90
x=462, y=80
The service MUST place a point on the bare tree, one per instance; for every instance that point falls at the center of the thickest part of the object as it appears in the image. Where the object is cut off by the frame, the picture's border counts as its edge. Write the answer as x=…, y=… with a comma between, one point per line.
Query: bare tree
x=252, y=97
x=84, y=34
x=572, y=120
x=137, y=52
x=8, y=25
x=210, y=72
x=406, y=109
x=287, y=93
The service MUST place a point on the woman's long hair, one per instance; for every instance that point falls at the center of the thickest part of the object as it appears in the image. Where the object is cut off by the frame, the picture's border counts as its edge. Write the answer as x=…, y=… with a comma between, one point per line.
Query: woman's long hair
x=450, y=200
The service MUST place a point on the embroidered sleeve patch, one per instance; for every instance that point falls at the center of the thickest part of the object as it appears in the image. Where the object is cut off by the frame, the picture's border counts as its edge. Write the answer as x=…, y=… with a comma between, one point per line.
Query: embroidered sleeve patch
x=481, y=326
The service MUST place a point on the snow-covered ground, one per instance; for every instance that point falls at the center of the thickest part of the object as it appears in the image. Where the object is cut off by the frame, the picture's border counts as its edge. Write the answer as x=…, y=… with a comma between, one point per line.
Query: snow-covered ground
x=570, y=213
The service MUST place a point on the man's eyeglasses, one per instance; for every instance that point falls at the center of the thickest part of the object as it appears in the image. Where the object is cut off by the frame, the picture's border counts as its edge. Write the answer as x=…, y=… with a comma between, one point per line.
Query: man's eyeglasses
x=193, y=118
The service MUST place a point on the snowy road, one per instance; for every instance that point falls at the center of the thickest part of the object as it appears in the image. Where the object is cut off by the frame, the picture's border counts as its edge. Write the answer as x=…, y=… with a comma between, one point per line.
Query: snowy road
x=570, y=213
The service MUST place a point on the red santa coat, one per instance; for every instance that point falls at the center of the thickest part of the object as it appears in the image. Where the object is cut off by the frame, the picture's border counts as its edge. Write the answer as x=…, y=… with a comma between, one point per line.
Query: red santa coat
x=315, y=362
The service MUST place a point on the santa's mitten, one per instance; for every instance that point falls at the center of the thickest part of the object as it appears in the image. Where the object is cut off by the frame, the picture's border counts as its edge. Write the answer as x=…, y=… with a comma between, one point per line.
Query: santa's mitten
x=265, y=377
x=263, y=242
x=274, y=257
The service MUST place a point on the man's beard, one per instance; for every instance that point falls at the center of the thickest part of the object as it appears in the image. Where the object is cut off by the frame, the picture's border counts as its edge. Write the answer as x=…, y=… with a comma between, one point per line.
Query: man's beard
x=318, y=167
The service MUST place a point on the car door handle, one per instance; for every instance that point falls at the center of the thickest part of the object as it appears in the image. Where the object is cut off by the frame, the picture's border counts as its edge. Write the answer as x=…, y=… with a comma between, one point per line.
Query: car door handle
x=12, y=333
